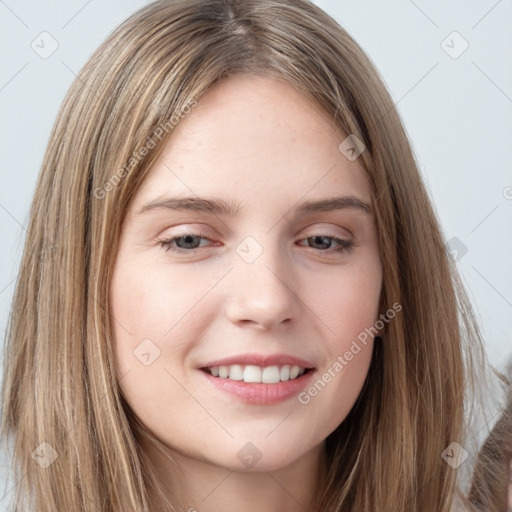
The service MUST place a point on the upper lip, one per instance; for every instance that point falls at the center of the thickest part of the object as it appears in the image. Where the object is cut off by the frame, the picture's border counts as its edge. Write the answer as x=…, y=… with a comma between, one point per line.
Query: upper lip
x=260, y=360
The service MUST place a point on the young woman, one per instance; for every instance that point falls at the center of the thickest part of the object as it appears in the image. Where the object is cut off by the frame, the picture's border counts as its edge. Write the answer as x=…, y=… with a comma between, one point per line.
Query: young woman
x=235, y=293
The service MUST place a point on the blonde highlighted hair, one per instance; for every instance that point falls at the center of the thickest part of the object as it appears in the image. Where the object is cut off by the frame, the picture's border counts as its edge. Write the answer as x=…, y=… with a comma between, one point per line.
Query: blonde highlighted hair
x=60, y=381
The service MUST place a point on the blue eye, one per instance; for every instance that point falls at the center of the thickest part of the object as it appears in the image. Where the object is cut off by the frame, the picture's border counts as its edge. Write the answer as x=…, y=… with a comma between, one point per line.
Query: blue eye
x=343, y=245
x=191, y=245
x=167, y=244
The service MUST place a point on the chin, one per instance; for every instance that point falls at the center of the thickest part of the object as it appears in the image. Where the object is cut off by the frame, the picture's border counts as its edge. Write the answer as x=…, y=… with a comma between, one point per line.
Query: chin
x=260, y=453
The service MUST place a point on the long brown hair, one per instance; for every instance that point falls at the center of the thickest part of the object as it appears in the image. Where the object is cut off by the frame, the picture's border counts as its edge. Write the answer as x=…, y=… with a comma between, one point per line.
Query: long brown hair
x=492, y=479
x=61, y=386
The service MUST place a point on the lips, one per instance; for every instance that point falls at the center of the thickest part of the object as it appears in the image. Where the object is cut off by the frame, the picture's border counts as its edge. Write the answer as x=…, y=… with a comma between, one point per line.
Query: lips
x=259, y=393
x=261, y=360
x=297, y=374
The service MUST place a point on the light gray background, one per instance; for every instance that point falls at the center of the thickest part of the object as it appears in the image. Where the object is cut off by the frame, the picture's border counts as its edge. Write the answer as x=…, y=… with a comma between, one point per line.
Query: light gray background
x=457, y=112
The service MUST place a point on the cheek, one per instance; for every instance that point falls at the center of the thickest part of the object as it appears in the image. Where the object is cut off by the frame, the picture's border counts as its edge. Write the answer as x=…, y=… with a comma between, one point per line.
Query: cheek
x=157, y=318
x=149, y=319
x=331, y=395
x=148, y=303
x=347, y=305
x=347, y=301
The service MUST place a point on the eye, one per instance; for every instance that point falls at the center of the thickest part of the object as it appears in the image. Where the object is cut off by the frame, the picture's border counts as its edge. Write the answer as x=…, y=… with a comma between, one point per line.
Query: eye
x=189, y=242
x=323, y=240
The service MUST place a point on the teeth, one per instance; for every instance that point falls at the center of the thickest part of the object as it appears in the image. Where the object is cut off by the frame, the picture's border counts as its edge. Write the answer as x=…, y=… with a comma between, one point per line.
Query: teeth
x=253, y=373
x=294, y=371
x=270, y=375
x=236, y=372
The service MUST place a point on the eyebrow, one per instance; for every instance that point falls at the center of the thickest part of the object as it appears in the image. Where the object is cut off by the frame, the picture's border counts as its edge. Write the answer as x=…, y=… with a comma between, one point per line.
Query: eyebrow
x=231, y=209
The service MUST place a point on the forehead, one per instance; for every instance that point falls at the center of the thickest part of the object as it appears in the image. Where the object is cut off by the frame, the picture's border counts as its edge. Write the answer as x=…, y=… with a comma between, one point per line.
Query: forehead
x=253, y=138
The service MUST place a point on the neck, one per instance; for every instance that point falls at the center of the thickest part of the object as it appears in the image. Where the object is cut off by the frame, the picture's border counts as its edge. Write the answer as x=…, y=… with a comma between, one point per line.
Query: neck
x=201, y=486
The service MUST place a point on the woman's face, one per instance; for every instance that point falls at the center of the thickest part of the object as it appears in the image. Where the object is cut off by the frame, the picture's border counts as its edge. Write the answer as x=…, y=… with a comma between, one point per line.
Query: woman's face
x=255, y=271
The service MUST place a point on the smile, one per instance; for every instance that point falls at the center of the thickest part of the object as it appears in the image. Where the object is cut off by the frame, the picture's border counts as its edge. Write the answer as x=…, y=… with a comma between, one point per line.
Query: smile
x=257, y=374
x=259, y=391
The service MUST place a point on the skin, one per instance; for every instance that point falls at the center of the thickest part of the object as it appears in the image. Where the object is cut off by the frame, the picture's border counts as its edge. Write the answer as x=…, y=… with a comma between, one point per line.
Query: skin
x=257, y=142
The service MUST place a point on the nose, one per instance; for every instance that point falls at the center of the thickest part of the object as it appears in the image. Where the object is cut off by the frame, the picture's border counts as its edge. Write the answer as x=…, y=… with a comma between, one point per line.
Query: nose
x=262, y=292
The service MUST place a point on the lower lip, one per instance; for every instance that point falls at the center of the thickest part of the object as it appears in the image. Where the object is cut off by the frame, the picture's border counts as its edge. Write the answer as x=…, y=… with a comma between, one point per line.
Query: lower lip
x=260, y=393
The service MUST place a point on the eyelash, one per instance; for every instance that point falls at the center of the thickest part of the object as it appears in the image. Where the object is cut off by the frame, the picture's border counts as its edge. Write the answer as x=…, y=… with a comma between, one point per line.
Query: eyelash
x=345, y=245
